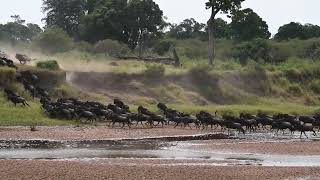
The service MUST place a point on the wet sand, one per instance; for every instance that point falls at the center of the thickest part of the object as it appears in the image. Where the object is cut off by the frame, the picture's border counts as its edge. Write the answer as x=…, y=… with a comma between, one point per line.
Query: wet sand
x=296, y=147
x=90, y=133
x=122, y=169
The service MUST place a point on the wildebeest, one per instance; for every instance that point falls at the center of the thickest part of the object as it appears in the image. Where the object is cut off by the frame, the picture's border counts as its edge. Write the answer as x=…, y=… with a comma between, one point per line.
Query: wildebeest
x=22, y=58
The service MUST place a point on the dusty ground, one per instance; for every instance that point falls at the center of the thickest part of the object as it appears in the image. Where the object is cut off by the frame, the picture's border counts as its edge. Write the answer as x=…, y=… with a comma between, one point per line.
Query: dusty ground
x=40, y=169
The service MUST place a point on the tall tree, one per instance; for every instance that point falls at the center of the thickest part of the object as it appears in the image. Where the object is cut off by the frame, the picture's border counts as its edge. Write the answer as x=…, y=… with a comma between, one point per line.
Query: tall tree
x=144, y=20
x=65, y=14
x=131, y=22
x=216, y=6
x=105, y=20
x=247, y=25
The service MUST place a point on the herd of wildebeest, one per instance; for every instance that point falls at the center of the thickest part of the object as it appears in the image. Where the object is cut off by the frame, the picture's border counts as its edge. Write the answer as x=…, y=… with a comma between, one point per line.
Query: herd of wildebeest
x=119, y=114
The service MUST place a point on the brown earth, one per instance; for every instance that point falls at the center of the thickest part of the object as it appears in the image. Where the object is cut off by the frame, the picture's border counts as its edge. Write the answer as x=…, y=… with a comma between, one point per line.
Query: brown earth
x=89, y=133
x=144, y=169
x=195, y=87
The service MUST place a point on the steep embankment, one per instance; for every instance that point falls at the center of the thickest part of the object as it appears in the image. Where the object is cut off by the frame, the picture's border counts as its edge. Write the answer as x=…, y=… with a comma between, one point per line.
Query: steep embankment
x=257, y=89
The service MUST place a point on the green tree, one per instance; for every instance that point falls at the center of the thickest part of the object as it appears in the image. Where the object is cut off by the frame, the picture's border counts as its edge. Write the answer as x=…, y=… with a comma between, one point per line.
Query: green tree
x=17, y=31
x=216, y=6
x=54, y=40
x=222, y=29
x=144, y=20
x=290, y=31
x=189, y=28
x=65, y=14
x=106, y=19
x=247, y=25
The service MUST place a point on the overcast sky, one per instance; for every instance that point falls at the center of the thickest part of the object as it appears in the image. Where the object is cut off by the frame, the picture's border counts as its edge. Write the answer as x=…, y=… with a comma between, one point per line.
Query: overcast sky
x=275, y=12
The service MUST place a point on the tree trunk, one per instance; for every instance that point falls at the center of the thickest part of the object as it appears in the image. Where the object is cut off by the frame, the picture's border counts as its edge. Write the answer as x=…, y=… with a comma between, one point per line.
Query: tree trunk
x=211, y=50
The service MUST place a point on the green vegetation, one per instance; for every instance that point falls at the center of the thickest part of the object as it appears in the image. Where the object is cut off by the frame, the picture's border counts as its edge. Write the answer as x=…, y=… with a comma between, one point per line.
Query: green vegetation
x=53, y=40
x=49, y=65
x=25, y=116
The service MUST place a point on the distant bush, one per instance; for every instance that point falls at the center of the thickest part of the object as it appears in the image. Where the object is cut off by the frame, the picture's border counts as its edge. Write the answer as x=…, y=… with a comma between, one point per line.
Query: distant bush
x=315, y=86
x=155, y=70
x=312, y=51
x=53, y=40
x=163, y=47
x=259, y=50
x=111, y=48
x=49, y=65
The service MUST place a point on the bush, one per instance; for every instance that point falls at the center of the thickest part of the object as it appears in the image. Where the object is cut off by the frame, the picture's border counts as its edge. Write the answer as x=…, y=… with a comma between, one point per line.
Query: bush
x=259, y=50
x=111, y=48
x=315, y=86
x=312, y=51
x=50, y=65
x=163, y=47
x=295, y=89
x=53, y=40
x=155, y=70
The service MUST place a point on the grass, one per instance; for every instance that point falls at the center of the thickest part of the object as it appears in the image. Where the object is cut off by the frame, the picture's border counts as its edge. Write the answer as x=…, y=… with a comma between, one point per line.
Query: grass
x=270, y=107
x=26, y=116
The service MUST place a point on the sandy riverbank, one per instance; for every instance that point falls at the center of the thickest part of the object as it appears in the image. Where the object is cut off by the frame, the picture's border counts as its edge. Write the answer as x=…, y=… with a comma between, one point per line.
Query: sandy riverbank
x=124, y=169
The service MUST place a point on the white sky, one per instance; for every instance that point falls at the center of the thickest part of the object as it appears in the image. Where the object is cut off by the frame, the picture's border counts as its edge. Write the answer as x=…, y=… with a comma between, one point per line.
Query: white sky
x=275, y=12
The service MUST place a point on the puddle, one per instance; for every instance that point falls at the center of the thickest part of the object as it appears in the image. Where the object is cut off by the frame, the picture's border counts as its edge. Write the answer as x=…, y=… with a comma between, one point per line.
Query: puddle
x=172, y=148
x=144, y=150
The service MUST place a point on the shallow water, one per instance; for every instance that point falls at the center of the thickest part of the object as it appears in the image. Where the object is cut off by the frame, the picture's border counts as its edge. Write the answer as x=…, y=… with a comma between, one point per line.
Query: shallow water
x=151, y=149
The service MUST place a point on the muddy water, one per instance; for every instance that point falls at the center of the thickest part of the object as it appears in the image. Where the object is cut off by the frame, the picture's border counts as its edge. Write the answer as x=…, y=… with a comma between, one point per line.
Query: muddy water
x=162, y=148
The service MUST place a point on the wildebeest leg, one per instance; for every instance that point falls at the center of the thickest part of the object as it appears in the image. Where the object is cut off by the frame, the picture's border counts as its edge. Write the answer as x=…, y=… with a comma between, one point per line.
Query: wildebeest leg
x=123, y=124
x=314, y=133
x=305, y=134
x=27, y=103
x=189, y=125
x=176, y=125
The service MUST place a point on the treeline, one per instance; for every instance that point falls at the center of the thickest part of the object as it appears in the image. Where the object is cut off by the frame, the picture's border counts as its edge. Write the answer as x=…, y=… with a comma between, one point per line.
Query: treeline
x=116, y=26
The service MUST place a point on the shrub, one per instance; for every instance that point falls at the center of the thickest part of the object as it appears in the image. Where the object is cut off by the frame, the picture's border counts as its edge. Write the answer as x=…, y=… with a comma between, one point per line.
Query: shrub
x=163, y=47
x=50, y=65
x=295, y=89
x=111, y=48
x=315, y=86
x=53, y=40
x=259, y=50
x=155, y=70
x=312, y=51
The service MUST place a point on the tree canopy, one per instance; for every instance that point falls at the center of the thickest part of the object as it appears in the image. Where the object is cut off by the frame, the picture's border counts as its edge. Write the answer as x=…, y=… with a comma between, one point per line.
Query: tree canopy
x=247, y=25
x=18, y=31
x=65, y=14
x=297, y=30
x=189, y=28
